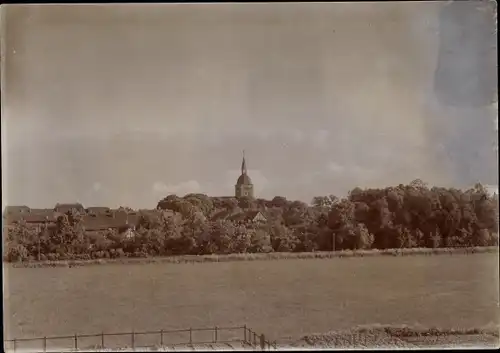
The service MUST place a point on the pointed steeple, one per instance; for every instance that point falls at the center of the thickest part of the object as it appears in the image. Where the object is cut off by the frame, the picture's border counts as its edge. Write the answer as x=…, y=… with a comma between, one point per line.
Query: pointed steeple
x=243, y=165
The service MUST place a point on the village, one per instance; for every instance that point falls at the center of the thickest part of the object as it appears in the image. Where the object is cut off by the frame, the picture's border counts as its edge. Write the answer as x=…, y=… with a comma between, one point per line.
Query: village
x=98, y=219
x=125, y=220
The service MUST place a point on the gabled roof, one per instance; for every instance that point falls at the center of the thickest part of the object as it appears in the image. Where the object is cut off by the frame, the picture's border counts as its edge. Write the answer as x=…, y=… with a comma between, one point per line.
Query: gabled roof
x=100, y=223
x=34, y=215
x=40, y=218
x=153, y=212
x=253, y=214
x=16, y=209
x=41, y=210
x=245, y=216
x=103, y=222
x=64, y=207
x=98, y=209
x=13, y=218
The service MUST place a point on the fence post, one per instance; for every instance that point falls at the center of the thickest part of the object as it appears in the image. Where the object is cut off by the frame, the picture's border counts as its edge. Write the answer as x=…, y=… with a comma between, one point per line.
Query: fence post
x=262, y=342
x=133, y=340
x=191, y=336
x=102, y=340
x=15, y=344
x=215, y=337
x=161, y=338
x=45, y=344
x=245, y=333
x=76, y=342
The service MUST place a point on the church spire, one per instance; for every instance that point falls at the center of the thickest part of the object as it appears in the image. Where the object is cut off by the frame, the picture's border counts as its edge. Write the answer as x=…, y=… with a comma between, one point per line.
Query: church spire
x=243, y=165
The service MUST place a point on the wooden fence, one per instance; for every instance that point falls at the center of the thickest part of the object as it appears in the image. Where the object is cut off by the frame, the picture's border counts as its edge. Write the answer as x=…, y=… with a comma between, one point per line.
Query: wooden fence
x=243, y=335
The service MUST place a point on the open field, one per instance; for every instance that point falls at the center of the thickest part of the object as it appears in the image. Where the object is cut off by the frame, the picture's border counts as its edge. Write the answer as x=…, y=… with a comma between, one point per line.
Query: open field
x=282, y=299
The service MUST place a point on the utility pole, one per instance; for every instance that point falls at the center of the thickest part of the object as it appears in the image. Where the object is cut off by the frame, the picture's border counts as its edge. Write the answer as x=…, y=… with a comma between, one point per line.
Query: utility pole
x=38, y=236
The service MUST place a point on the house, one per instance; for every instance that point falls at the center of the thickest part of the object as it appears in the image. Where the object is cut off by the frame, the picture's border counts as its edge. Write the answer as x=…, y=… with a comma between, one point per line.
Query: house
x=121, y=222
x=13, y=218
x=155, y=215
x=11, y=210
x=248, y=216
x=125, y=217
x=98, y=210
x=41, y=210
x=93, y=223
x=49, y=212
x=40, y=218
x=66, y=207
x=16, y=214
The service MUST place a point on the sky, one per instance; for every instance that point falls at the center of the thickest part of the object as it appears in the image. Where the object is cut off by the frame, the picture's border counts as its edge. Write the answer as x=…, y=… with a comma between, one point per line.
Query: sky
x=121, y=105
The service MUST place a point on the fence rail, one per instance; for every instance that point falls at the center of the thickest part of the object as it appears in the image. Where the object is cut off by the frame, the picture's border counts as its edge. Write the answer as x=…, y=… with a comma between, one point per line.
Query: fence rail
x=247, y=337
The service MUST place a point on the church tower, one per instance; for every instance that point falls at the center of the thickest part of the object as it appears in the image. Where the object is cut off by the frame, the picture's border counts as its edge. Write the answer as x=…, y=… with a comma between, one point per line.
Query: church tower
x=244, y=186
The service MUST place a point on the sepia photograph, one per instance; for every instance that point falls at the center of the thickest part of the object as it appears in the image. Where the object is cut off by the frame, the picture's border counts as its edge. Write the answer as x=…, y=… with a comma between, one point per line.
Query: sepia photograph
x=234, y=176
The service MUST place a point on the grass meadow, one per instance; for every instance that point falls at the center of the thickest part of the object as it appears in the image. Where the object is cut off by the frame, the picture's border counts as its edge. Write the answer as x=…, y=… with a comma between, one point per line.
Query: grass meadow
x=281, y=298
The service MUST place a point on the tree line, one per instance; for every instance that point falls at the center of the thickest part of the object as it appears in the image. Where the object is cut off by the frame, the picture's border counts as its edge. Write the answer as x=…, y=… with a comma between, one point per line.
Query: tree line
x=403, y=216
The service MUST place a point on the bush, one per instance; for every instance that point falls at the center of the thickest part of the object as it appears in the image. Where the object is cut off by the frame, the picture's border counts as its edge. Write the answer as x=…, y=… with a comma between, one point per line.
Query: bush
x=16, y=253
x=494, y=239
x=52, y=257
x=364, y=239
x=119, y=253
x=260, y=242
x=482, y=237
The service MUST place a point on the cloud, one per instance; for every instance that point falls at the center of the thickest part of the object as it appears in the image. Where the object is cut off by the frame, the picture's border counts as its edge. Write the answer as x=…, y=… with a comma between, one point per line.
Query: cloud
x=96, y=186
x=494, y=109
x=296, y=135
x=352, y=172
x=335, y=168
x=187, y=187
x=263, y=134
x=230, y=95
x=320, y=138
